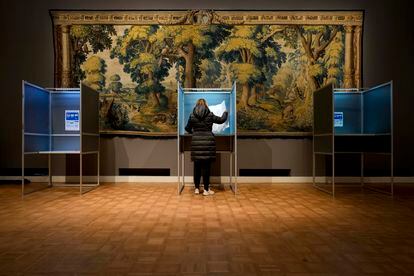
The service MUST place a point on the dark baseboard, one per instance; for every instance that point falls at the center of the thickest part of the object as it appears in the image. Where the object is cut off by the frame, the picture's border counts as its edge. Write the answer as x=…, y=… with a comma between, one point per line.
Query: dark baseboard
x=144, y=171
x=27, y=171
x=264, y=172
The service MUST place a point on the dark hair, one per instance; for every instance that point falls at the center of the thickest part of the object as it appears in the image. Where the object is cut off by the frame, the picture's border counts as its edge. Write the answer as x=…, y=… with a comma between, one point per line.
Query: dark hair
x=201, y=102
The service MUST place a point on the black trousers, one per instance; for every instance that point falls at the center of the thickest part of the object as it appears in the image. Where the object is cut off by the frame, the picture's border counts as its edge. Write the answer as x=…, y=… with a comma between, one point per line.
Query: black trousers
x=202, y=167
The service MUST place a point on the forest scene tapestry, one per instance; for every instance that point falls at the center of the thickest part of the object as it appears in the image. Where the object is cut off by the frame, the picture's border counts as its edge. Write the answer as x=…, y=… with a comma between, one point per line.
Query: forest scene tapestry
x=135, y=59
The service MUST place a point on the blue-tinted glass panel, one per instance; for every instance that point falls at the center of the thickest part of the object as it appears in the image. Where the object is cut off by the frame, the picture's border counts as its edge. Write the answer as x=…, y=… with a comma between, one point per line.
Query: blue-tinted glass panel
x=65, y=143
x=212, y=98
x=349, y=104
x=61, y=102
x=34, y=143
x=377, y=109
x=36, y=109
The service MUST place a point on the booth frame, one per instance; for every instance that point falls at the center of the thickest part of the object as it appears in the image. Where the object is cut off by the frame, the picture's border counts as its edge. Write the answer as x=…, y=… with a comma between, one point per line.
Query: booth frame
x=232, y=152
x=51, y=152
x=333, y=152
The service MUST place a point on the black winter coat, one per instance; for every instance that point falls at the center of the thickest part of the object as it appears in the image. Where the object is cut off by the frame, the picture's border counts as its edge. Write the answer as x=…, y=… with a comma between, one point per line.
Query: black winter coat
x=200, y=124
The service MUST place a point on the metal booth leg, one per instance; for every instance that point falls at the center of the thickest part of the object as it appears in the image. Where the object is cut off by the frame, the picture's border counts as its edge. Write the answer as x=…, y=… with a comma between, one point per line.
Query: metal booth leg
x=313, y=169
x=392, y=174
x=98, y=169
x=231, y=169
x=80, y=173
x=333, y=174
x=23, y=175
x=183, y=171
x=180, y=172
x=50, y=169
x=362, y=169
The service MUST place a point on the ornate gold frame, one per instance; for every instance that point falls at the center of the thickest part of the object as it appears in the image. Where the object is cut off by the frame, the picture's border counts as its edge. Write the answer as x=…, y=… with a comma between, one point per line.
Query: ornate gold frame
x=348, y=18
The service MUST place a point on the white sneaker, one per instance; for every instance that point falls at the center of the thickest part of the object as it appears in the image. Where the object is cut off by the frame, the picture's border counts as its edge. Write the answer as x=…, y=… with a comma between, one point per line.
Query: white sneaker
x=196, y=191
x=209, y=192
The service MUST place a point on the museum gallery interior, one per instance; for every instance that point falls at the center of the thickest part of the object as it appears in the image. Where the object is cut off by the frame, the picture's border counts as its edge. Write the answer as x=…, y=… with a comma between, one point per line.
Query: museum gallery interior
x=206, y=138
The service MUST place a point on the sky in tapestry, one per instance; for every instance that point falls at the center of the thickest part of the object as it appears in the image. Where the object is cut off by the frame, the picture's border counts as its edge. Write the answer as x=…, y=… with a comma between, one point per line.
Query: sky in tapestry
x=136, y=69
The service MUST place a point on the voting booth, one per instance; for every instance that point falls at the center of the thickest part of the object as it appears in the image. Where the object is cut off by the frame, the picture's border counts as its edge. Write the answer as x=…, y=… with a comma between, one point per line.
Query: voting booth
x=353, y=121
x=219, y=100
x=60, y=121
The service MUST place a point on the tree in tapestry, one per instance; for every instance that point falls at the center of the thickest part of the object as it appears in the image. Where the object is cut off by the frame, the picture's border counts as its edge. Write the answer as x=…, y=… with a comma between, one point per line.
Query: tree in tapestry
x=276, y=67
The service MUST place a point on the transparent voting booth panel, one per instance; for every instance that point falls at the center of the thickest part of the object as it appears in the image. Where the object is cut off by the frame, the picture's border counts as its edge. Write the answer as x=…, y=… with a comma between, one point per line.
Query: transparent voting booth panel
x=60, y=121
x=218, y=100
x=353, y=121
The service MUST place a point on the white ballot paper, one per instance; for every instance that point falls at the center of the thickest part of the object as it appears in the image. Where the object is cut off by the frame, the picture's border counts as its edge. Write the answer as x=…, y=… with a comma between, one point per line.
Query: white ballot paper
x=218, y=110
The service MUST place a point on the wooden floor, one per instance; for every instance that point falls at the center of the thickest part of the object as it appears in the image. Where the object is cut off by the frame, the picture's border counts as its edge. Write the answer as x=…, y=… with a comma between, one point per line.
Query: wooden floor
x=146, y=229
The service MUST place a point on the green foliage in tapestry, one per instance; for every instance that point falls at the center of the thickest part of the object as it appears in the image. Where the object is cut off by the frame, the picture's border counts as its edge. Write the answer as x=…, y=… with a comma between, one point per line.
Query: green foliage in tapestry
x=140, y=50
x=276, y=68
x=254, y=56
x=188, y=46
x=85, y=40
x=94, y=69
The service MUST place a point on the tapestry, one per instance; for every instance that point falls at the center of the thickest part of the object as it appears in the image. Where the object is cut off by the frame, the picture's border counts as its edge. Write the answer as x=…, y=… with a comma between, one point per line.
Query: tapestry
x=277, y=59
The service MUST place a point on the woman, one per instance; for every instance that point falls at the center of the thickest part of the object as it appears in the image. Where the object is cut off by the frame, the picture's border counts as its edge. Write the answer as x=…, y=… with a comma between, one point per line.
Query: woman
x=203, y=143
